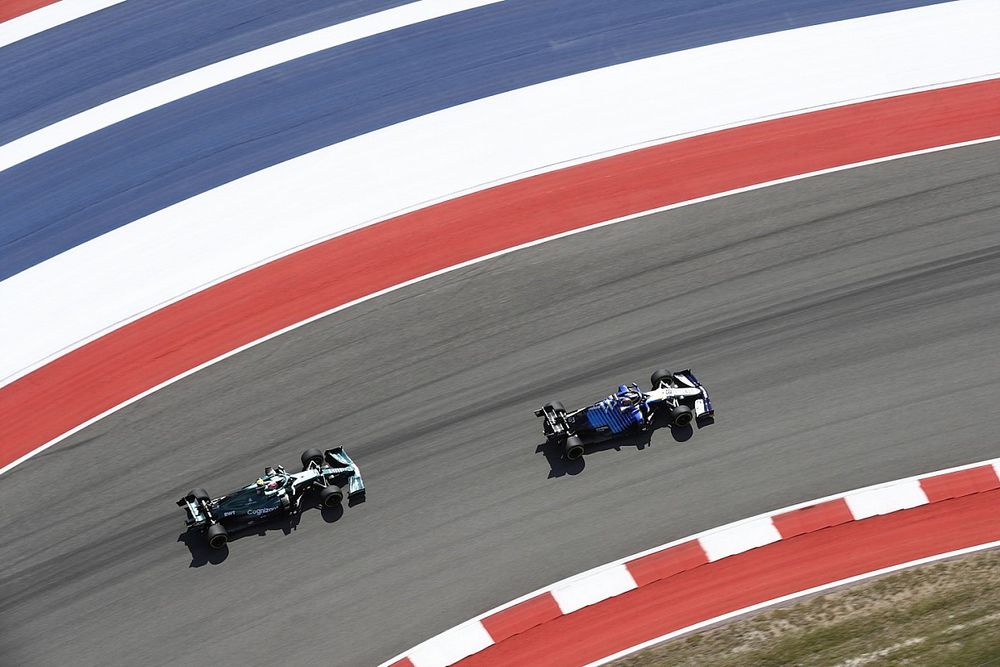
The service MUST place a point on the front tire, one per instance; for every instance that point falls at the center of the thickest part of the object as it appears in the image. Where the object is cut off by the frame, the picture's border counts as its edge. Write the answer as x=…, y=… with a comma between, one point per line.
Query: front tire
x=573, y=449
x=681, y=415
x=311, y=456
x=217, y=536
x=331, y=496
x=659, y=376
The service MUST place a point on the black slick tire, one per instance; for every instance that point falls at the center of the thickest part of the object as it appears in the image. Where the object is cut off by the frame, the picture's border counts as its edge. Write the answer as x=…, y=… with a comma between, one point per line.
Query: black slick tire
x=573, y=449
x=659, y=375
x=331, y=496
x=555, y=406
x=217, y=536
x=311, y=456
x=681, y=415
x=198, y=494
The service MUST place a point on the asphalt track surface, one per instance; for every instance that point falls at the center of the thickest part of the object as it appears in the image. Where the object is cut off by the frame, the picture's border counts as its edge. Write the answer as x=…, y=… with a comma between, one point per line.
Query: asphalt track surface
x=847, y=325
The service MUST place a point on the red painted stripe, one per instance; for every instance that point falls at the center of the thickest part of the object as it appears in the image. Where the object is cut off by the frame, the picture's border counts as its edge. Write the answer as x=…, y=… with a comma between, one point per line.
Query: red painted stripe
x=96, y=377
x=666, y=563
x=13, y=8
x=960, y=483
x=812, y=518
x=522, y=616
x=750, y=578
x=403, y=662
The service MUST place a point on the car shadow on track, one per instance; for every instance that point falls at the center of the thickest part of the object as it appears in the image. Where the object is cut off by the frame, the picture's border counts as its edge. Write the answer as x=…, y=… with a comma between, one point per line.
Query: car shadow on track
x=560, y=466
x=202, y=554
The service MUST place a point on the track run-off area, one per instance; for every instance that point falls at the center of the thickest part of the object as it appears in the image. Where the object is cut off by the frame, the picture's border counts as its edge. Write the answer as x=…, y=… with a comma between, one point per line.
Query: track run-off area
x=845, y=322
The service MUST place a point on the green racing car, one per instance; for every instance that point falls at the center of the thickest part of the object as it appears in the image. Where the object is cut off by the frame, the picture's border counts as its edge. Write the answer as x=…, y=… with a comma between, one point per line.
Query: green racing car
x=276, y=493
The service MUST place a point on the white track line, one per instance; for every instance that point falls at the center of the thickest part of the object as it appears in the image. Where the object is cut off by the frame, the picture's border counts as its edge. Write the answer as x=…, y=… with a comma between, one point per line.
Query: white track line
x=93, y=288
x=455, y=267
x=171, y=90
x=49, y=16
x=788, y=598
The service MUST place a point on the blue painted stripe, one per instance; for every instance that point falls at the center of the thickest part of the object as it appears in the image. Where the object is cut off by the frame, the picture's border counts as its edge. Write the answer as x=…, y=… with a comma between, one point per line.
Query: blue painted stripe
x=78, y=65
x=103, y=181
x=606, y=413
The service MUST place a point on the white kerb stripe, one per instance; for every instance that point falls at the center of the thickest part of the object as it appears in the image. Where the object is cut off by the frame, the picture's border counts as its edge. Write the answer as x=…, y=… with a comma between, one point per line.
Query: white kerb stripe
x=594, y=587
x=451, y=646
x=885, y=499
x=996, y=469
x=44, y=18
x=739, y=537
x=146, y=99
x=788, y=598
x=683, y=540
x=186, y=247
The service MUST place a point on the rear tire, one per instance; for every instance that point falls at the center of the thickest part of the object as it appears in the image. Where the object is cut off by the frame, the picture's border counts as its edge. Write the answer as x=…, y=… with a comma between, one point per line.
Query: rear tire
x=217, y=536
x=555, y=406
x=199, y=494
x=331, y=496
x=573, y=449
x=311, y=456
x=681, y=415
x=659, y=375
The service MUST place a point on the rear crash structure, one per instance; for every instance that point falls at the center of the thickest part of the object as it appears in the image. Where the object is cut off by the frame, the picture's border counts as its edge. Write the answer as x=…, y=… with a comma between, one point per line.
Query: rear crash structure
x=676, y=398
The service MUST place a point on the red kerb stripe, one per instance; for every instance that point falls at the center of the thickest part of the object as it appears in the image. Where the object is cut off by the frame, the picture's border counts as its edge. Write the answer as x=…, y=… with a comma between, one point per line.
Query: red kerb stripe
x=750, y=578
x=667, y=562
x=814, y=517
x=522, y=616
x=960, y=483
x=12, y=8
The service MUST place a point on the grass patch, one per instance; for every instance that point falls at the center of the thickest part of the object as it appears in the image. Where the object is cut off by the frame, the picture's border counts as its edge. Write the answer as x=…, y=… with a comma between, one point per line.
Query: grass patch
x=943, y=614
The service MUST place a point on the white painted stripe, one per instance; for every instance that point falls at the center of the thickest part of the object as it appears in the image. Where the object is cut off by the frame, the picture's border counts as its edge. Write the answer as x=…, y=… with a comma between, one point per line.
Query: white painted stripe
x=885, y=499
x=484, y=258
x=50, y=16
x=788, y=598
x=740, y=537
x=159, y=94
x=451, y=646
x=996, y=469
x=596, y=586
x=702, y=535
x=205, y=239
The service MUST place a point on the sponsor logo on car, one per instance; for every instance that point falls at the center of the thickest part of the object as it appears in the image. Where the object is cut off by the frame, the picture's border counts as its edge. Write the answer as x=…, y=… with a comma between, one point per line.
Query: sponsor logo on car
x=261, y=510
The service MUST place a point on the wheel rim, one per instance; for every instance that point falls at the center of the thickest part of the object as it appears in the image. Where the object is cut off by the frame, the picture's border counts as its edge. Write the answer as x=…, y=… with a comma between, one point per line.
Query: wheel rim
x=574, y=453
x=218, y=541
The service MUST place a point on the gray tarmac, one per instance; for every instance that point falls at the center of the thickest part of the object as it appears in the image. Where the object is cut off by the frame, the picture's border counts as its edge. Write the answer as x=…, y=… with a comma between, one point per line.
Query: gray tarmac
x=847, y=326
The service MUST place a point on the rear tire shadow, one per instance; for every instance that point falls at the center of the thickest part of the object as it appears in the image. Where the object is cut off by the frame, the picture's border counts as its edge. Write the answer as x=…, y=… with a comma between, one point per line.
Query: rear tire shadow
x=202, y=554
x=560, y=466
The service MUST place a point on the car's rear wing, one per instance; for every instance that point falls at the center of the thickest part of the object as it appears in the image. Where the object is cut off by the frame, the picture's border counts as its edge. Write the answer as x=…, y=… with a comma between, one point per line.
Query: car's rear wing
x=555, y=425
x=195, y=514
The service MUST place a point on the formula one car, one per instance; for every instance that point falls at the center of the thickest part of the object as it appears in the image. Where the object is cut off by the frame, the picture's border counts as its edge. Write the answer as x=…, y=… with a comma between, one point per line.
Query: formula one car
x=676, y=398
x=274, y=494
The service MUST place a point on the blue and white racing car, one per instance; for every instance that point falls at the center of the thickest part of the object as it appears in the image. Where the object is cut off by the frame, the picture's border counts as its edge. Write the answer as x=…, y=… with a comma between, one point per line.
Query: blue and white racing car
x=675, y=398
